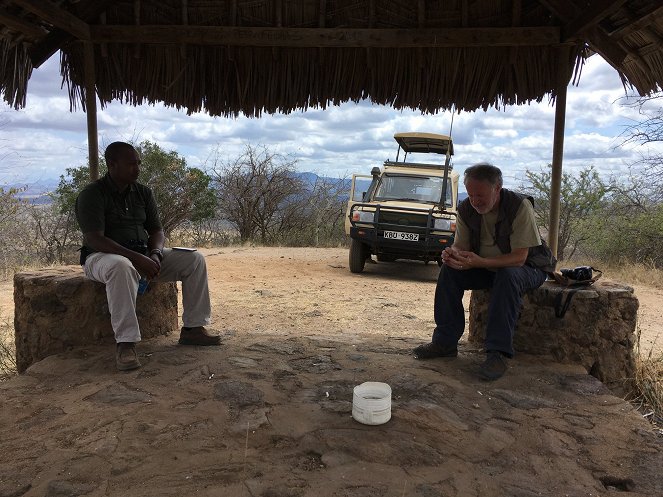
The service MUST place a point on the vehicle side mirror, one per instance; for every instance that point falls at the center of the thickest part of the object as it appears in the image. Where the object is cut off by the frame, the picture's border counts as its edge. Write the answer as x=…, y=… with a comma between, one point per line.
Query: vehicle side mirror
x=363, y=195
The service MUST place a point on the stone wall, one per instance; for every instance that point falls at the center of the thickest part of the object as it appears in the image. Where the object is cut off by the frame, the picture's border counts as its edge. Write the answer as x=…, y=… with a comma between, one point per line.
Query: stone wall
x=597, y=331
x=58, y=308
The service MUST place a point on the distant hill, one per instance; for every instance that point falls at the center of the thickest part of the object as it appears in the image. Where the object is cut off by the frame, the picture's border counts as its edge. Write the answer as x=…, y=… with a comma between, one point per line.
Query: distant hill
x=36, y=192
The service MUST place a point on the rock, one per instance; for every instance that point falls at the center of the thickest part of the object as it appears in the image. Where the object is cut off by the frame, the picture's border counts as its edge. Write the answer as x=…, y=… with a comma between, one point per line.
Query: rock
x=57, y=309
x=597, y=331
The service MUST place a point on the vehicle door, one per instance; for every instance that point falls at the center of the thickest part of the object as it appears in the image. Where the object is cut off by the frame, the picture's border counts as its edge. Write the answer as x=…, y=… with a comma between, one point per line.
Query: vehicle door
x=360, y=186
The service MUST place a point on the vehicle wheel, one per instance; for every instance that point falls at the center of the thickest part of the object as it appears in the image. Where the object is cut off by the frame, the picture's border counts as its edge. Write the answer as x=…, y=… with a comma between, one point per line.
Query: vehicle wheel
x=386, y=258
x=358, y=255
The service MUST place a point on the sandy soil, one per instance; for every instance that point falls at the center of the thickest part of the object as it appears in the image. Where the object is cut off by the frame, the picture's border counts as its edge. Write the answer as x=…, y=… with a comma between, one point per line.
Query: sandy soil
x=269, y=412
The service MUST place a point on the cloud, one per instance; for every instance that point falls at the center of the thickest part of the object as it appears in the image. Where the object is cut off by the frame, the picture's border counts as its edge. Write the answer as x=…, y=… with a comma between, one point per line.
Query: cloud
x=45, y=138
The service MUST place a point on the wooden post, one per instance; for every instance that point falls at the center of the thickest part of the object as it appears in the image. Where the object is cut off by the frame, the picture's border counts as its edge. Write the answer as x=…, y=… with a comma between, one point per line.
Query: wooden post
x=91, y=111
x=558, y=147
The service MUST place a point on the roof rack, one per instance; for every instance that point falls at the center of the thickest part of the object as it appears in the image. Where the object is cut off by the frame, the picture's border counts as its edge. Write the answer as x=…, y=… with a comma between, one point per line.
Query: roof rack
x=425, y=142
x=391, y=163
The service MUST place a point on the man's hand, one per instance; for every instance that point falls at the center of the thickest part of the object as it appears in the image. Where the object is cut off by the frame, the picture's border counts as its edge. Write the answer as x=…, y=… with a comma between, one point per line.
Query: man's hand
x=465, y=259
x=460, y=259
x=147, y=266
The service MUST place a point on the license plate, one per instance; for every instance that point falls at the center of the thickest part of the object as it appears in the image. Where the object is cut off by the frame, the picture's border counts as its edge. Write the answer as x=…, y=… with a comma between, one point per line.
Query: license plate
x=399, y=235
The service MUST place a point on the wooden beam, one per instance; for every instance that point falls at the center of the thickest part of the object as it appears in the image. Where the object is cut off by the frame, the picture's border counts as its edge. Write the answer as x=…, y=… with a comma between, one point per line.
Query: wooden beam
x=233, y=13
x=637, y=23
x=185, y=22
x=41, y=51
x=56, y=16
x=323, y=14
x=563, y=77
x=16, y=23
x=563, y=9
x=516, y=13
x=328, y=37
x=278, y=13
x=371, y=13
x=421, y=13
x=590, y=16
x=608, y=49
x=137, y=23
x=91, y=112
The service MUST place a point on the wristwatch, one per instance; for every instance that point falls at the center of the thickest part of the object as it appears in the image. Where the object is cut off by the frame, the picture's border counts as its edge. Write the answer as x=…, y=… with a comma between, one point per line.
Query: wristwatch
x=158, y=252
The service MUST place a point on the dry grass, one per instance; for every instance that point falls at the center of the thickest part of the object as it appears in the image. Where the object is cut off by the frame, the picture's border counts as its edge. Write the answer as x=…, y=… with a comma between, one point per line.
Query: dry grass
x=629, y=273
x=7, y=351
x=648, y=394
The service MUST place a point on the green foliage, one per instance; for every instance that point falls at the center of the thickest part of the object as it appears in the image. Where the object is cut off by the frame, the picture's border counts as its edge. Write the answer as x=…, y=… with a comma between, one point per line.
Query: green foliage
x=635, y=237
x=182, y=193
x=581, y=196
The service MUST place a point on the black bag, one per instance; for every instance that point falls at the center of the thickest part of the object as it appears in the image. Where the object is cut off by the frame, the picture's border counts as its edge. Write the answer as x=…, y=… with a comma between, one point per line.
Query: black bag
x=575, y=279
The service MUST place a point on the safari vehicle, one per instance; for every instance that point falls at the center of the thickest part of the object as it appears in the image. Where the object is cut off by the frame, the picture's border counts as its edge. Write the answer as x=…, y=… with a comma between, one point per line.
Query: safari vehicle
x=407, y=209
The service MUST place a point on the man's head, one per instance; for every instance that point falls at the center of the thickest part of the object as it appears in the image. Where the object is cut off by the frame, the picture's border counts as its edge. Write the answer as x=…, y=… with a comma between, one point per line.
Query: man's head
x=483, y=183
x=123, y=163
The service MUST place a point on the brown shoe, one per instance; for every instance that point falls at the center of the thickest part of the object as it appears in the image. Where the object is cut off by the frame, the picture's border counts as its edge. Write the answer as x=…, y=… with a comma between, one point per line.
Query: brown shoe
x=198, y=335
x=126, y=357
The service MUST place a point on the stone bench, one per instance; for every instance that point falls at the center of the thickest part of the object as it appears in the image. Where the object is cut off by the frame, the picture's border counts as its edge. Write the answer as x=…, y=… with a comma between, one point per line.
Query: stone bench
x=597, y=331
x=58, y=308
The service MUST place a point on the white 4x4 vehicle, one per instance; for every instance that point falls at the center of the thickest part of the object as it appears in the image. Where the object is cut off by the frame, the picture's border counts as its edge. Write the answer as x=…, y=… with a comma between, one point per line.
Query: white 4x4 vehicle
x=404, y=210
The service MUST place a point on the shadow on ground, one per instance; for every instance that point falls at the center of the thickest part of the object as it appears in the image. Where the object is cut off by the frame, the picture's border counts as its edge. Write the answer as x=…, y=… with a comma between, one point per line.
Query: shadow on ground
x=270, y=415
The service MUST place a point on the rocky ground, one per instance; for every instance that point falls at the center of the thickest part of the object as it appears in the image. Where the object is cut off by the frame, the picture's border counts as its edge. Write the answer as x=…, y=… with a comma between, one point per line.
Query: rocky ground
x=269, y=412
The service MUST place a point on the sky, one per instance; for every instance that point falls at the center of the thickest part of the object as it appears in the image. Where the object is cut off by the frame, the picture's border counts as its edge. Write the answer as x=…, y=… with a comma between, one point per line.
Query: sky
x=39, y=142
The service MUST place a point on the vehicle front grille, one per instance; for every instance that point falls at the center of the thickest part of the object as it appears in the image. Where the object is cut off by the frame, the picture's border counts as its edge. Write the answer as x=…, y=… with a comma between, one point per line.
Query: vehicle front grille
x=403, y=218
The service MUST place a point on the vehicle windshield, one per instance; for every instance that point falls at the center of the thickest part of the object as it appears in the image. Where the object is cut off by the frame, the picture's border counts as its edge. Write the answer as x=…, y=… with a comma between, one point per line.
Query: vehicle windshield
x=424, y=189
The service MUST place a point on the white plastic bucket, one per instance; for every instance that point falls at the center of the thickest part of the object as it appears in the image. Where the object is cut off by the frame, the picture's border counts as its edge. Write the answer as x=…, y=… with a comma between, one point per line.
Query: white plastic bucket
x=371, y=403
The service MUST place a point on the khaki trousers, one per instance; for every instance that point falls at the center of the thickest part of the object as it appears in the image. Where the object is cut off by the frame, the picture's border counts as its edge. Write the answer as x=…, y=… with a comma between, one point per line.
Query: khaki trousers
x=121, y=280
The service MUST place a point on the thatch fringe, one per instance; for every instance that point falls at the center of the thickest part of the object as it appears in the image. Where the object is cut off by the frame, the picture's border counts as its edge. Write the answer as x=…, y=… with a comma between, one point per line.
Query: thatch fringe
x=16, y=68
x=247, y=80
x=229, y=81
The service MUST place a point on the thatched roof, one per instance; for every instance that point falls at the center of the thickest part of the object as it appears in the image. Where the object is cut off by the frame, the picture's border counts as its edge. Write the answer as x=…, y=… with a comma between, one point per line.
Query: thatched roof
x=251, y=56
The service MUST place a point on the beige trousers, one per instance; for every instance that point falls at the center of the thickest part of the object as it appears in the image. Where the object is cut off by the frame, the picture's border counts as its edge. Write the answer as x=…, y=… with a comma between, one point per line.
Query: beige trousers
x=121, y=280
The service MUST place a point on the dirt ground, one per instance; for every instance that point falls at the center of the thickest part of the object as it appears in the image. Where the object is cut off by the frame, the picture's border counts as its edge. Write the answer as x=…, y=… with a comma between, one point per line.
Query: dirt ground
x=269, y=412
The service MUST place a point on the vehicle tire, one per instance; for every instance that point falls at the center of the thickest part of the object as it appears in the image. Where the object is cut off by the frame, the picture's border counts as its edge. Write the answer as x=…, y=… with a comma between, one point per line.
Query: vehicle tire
x=358, y=255
x=386, y=258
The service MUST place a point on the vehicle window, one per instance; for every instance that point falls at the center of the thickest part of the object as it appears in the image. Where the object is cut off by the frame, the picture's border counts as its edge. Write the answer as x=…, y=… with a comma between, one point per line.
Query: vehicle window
x=361, y=186
x=412, y=188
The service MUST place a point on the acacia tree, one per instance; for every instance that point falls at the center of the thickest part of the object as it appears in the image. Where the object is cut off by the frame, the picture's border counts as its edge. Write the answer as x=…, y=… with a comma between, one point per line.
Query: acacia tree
x=581, y=195
x=260, y=193
x=648, y=134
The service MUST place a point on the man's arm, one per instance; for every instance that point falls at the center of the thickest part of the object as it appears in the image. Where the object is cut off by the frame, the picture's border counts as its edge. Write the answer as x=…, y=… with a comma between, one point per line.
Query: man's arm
x=155, y=242
x=525, y=235
x=98, y=242
x=463, y=259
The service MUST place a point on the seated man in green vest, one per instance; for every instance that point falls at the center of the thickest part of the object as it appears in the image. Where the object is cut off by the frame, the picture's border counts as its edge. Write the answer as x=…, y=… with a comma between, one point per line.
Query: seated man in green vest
x=123, y=245
x=498, y=246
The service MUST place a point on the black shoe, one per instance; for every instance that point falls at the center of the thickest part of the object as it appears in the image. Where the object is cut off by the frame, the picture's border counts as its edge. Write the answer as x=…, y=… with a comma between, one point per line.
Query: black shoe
x=432, y=350
x=493, y=367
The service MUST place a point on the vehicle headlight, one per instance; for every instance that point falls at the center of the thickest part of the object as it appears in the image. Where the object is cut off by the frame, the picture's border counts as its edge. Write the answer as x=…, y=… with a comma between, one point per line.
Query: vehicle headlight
x=363, y=216
x=444, y=225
